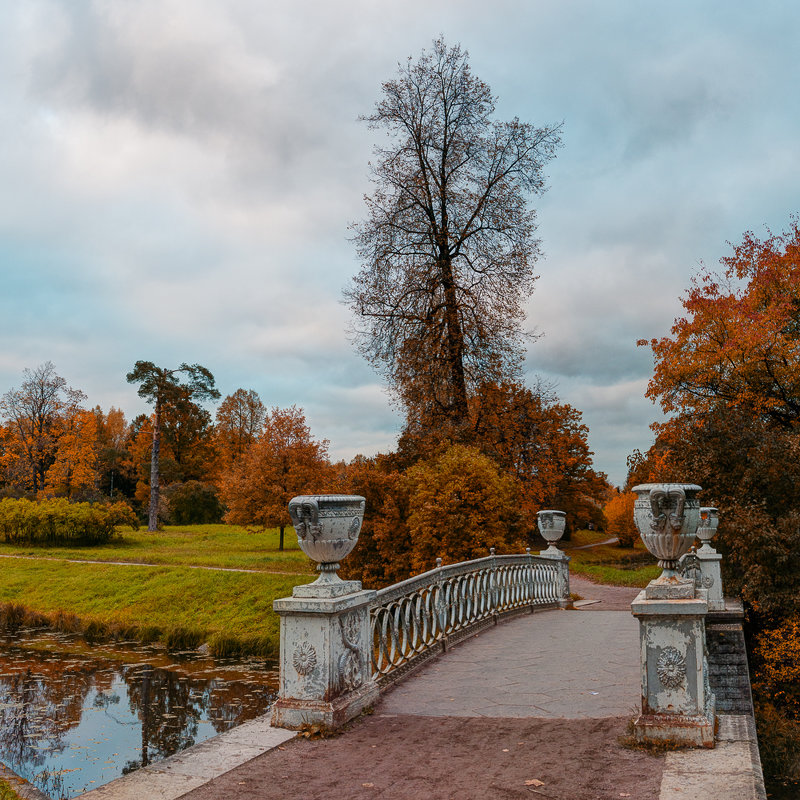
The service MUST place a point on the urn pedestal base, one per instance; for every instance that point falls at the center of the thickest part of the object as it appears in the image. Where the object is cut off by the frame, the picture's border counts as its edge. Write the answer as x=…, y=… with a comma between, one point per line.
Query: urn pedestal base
x=296, y=714
x=325, y=667
x=677, y=702
x=712, y=577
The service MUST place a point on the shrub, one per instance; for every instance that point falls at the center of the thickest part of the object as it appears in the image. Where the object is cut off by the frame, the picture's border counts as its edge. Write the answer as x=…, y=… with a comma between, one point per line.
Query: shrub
x=193, y=503
x=59, y=522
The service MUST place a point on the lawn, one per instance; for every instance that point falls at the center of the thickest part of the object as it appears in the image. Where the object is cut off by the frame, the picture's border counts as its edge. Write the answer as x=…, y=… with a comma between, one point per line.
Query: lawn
x=228, y=546
x=608, y=563
x=170, y=602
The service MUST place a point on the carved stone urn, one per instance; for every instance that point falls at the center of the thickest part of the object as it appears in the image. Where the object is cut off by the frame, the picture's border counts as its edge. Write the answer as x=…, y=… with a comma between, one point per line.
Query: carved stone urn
x=706, y=530
x=327, y=527
x=551, y=526
x=667, y=516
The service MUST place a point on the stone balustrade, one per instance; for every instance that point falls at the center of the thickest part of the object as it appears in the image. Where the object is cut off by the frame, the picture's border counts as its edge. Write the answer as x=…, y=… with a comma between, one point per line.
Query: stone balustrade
x=417, y=618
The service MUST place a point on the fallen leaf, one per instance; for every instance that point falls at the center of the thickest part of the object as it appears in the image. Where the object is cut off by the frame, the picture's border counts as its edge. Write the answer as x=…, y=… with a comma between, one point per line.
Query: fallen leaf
x=505, y=749
x=368, y=785
x=534, y=782
x=624, y=794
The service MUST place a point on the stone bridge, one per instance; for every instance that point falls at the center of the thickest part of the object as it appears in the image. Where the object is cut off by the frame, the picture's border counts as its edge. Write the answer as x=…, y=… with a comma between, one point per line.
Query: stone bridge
x=483, y=679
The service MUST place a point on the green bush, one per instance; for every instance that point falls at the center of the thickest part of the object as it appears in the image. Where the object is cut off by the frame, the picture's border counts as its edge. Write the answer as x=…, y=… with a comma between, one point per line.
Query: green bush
x=59, y=522
x=193, y=503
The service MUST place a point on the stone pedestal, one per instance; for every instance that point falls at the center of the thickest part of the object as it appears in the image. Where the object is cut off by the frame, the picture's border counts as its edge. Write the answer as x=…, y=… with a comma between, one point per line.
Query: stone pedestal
x=325, y=667
x=711, y=579
x=677, y=703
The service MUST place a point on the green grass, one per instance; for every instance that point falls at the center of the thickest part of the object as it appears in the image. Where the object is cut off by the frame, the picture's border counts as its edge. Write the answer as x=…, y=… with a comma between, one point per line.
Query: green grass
x=6, y=792
x=170, y=602
x=200, y=545
x=610, y=564
x=165, y=603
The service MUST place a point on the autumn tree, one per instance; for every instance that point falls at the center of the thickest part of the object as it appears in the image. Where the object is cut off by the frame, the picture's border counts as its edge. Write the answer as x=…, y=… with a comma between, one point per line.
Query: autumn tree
x=239, y=420
x=33, y=416
x=738, y=345
x=73, y=473
x=460, y=505
x=116, y=470
x=730, y=374
x=283, y=462
x=384, y=542
x=544, y=445
x=163, y=388
x=619, y=518
x=448, y=243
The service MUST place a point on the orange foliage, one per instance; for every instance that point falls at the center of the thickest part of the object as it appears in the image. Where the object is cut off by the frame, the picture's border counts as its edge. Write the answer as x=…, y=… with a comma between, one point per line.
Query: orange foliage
x=544, y=446
x=285, y=461
x=739, y=343
x=619, y=518
x=73, y=472
x=460, y=505
x=777, y=675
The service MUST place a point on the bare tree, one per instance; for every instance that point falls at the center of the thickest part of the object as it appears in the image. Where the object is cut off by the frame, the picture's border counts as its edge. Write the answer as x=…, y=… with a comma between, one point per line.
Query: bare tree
x=33, y=414
x=448, y=244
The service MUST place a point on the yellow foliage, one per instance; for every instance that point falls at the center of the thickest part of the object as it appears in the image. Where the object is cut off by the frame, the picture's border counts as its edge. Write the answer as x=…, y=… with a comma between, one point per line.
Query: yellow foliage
x=460, y=506
x=777, y=675
x=619, y=518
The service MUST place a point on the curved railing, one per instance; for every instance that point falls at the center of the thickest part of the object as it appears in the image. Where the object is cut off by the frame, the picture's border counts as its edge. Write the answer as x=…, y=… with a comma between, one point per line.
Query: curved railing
x=414, y=619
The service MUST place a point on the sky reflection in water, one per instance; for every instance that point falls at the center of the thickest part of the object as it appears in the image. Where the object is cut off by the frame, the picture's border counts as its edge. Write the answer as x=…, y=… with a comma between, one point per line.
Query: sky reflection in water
x=69, y=723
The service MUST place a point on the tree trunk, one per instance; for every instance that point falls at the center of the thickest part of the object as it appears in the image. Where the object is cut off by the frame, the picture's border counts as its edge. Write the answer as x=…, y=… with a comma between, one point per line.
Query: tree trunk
x=455, y=346
x=280, y=538
x=154, y=478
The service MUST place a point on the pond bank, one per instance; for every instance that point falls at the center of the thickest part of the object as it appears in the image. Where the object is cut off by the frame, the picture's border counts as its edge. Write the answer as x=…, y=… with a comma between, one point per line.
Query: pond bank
x=74, y=717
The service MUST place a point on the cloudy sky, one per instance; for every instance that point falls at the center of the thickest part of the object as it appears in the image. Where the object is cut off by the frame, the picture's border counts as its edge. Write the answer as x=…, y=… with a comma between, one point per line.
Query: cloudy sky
x=177, y=178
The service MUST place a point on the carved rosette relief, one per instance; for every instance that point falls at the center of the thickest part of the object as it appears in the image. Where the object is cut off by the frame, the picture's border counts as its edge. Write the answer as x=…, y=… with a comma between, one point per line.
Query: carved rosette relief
x=304, y=658
x=671, y=668
x=350, y=676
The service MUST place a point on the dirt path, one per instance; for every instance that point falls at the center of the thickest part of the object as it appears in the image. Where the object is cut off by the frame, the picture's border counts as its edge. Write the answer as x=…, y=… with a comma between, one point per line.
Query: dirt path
x=609, y=598
x=146, y=564
x=612, y=540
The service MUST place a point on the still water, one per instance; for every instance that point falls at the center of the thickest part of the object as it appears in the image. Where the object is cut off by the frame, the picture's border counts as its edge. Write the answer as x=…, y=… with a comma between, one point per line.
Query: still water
x=71, y=721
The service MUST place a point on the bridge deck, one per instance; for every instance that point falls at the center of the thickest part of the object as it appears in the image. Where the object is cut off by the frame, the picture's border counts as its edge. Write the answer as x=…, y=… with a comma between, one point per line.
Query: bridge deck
x=556, y=665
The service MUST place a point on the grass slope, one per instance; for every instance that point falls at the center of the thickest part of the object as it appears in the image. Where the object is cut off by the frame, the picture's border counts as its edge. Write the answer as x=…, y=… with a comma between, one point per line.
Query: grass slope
x=609, y=563
x=171, y=602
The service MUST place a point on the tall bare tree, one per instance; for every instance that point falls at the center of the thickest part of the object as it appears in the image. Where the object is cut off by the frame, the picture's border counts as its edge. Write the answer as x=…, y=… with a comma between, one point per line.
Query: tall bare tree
x=163, y=386
x=448, y=243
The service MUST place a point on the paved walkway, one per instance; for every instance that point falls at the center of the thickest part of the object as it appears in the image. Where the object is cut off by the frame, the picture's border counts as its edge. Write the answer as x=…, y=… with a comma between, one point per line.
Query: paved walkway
x=555, y=665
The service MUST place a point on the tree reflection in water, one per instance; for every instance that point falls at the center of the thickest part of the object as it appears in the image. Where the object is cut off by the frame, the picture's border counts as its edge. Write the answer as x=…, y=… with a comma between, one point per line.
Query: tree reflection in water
x=62, y=716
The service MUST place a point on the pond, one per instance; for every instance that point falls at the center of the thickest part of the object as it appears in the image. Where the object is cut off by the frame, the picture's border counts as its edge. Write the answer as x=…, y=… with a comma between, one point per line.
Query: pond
x=73, y=717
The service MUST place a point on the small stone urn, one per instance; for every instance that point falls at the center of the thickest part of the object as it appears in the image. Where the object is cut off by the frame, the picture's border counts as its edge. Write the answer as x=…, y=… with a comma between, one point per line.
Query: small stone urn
x=551, y=526
x=667, y=516
x=706, y=530
x=327, y=527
